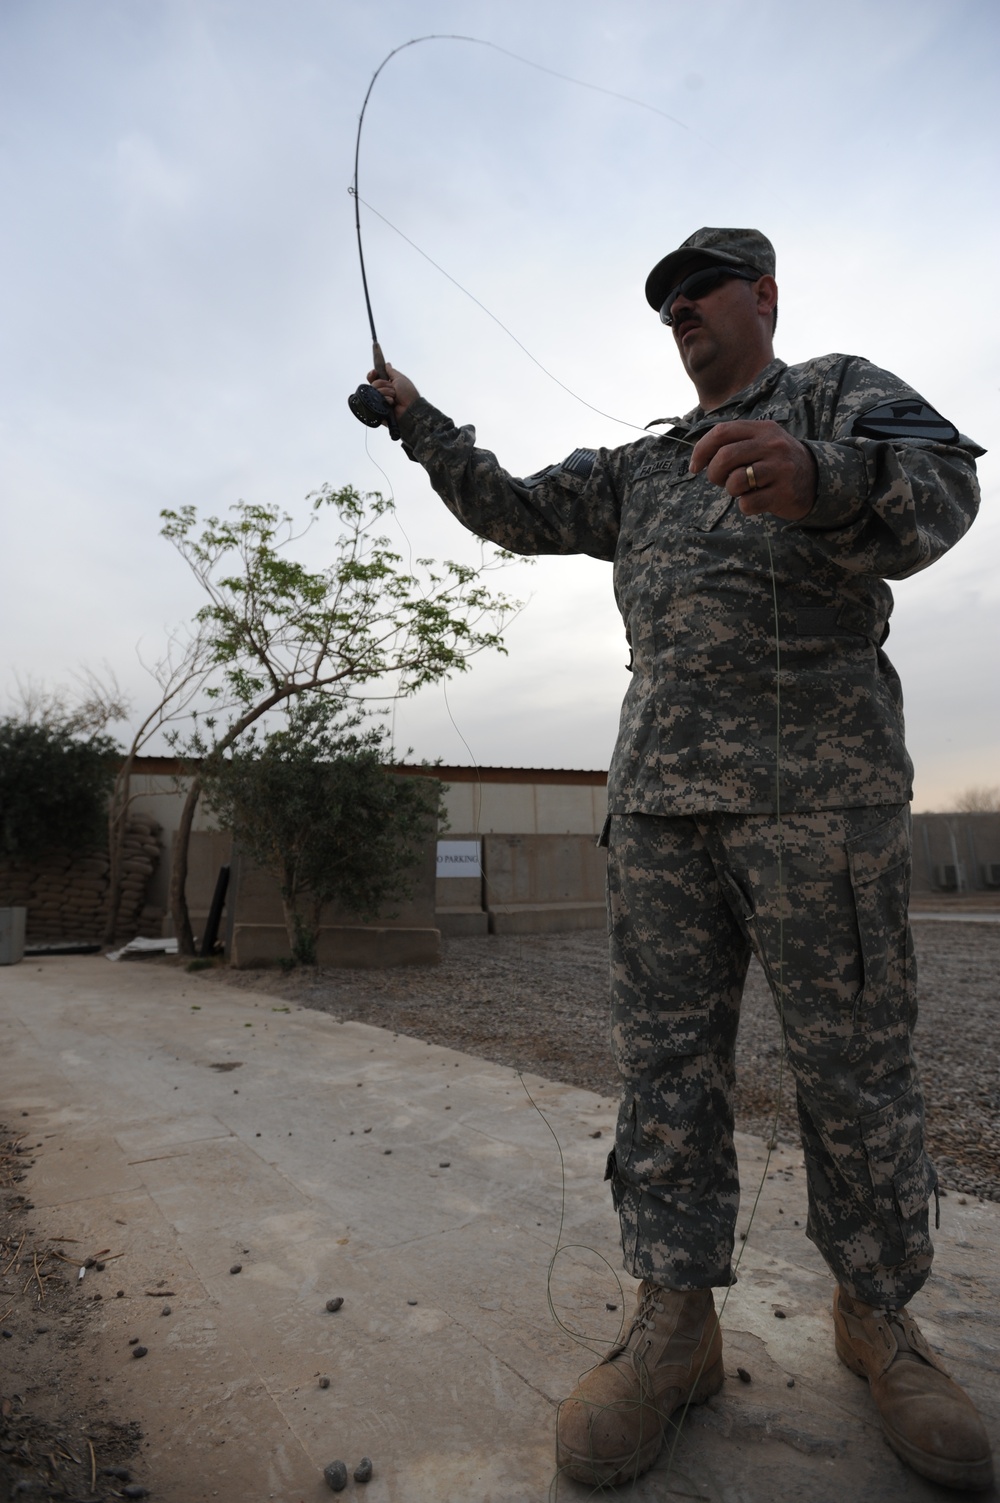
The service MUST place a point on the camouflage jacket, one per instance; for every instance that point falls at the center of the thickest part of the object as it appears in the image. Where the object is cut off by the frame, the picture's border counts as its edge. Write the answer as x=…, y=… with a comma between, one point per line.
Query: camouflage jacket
x=693, y=580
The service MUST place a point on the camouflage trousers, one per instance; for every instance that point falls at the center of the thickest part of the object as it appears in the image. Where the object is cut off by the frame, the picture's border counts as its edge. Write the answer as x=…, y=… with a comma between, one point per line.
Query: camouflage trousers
x=821, y=900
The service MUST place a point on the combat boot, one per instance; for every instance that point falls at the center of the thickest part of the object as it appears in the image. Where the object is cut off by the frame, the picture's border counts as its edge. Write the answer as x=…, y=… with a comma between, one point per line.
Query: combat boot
x=611, y=1427
x=928, y=1420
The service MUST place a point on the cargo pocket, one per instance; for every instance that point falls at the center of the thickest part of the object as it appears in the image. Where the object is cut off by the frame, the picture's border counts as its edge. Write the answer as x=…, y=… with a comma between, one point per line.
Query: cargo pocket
x=902, y=1176
x=879, y=862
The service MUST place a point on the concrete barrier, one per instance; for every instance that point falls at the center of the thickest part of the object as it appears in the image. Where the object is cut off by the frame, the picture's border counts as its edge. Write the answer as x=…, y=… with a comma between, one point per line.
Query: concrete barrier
x=352, y=945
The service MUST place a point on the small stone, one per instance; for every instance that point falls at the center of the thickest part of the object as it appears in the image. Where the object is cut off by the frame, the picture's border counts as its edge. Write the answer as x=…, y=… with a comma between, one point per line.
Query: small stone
x=324, y=1381
x=386, y=1150
x=790, y=1383
x=135, y=1490
x=133, y=1341
x=596, y=1134
x=411, y=1302
x=333, y=1305
x=779, y=1315
x=165, y=1310
x=119, y=1294
x=139, y=1351
x=363, y=1470
x=120, y=1473
x=743, y=1375
x=335, y=1476
x=610, y=1307
x=445, y=1164
x=236, y=1268
x=367, y=1129
x=7, y=1335
x=89, y=1262
x=40, y=1330
x=962, y=1200
x=99, y=1267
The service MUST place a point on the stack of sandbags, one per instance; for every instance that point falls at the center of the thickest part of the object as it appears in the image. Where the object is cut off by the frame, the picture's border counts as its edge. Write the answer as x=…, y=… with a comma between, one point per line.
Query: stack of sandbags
x=142, y=852
x=67, y=895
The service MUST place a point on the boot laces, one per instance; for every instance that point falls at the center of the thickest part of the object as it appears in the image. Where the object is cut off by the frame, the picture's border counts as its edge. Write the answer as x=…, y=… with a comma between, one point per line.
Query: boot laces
x=650, y=1306
x=897, y=1327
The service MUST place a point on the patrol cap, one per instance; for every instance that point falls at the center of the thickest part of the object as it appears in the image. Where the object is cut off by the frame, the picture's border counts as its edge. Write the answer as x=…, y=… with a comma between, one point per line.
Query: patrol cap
x=709, y=247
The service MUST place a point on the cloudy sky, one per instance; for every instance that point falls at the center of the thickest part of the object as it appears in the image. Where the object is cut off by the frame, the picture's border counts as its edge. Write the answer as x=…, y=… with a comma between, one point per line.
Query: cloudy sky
x=182, y=314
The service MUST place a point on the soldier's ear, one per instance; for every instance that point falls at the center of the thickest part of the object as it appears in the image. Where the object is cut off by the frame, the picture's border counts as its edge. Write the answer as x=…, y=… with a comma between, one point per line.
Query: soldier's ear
x=766, y=293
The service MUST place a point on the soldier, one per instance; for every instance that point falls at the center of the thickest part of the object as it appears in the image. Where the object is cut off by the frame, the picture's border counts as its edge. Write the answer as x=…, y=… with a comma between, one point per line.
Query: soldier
x=758, y=799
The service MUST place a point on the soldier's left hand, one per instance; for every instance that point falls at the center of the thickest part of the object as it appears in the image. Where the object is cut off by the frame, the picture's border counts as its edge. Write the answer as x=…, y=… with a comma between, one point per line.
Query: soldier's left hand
x=760, y=464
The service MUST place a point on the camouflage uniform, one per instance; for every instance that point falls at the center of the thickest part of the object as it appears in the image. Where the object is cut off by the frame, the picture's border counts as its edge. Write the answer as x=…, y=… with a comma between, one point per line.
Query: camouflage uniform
x=720, y=609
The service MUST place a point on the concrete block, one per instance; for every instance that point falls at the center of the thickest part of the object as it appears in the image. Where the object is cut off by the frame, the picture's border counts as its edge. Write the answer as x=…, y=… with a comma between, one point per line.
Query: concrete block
x=562, y=810
x=463, y=922
x=547, y=918
x=351, y=945
x=12, y=926
x=543, y=869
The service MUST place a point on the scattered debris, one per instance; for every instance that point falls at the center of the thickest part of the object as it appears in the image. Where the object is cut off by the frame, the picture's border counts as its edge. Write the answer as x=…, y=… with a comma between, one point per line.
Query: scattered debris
x=363, y=1470
x=141, y=946
x=333, y=1305
x=236, y=1268
x=140, y=1351
x=335, y=1476
x=743, y=1375
x=324, y=1381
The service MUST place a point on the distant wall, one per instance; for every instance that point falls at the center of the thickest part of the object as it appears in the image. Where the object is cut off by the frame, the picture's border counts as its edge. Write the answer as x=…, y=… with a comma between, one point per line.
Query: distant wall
x=541, y=868
x=956, y=855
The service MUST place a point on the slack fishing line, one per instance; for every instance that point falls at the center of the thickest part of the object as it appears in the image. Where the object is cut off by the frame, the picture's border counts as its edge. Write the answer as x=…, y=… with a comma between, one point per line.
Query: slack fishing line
x=371, y=408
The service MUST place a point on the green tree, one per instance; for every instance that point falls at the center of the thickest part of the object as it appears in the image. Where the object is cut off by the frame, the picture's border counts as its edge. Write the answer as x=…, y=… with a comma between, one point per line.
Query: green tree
x=54, y=786
x=363, y=628
x=316, y=805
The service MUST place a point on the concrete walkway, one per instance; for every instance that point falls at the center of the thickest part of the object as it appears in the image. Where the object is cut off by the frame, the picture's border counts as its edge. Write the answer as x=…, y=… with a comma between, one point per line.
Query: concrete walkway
x=192, y=1127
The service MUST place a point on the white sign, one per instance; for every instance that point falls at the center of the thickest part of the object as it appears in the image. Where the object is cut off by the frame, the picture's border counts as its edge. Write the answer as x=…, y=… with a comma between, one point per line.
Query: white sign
x=459, y=858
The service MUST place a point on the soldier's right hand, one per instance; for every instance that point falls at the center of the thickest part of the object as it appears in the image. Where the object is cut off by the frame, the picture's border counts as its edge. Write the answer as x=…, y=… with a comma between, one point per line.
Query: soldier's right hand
x=399, y=391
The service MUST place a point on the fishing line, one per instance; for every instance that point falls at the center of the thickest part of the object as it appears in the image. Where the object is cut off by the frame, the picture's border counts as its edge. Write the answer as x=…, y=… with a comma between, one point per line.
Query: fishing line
x=623, y=422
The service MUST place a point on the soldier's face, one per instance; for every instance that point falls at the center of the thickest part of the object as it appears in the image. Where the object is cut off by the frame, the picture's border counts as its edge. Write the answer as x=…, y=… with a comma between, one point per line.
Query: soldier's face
x=713, y=333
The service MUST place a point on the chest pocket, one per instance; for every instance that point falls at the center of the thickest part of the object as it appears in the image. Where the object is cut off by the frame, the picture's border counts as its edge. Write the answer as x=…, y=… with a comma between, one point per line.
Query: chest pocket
x=665, y=502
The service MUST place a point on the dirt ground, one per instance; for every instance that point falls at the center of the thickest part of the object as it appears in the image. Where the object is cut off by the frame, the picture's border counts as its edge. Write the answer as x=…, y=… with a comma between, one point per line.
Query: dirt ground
x=54, y=1442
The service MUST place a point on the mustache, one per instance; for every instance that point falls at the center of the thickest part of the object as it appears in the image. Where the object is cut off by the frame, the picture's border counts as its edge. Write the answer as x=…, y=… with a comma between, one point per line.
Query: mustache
x=689, y=318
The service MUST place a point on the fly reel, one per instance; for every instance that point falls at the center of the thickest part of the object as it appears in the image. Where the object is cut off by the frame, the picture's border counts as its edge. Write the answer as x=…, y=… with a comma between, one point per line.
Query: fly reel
x=371, y=408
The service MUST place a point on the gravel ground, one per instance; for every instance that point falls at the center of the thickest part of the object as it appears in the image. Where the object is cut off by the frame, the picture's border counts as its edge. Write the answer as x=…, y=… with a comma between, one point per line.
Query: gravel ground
x=540, y=1002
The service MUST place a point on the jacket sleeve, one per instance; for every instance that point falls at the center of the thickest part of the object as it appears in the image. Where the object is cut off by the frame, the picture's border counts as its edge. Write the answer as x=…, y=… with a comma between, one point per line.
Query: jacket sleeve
x=572, y=507
x=896, y=482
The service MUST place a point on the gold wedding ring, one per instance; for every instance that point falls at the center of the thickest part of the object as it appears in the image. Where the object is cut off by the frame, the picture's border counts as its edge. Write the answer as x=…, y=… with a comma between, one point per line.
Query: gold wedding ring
x=751, y=478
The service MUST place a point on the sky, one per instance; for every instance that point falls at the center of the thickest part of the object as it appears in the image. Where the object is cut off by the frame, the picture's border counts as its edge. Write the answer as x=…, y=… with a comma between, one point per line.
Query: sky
x=182, y=318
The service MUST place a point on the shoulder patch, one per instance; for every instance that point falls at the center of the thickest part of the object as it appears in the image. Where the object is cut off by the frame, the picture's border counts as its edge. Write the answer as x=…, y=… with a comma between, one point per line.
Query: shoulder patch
x=581, y=462
x=908, y=418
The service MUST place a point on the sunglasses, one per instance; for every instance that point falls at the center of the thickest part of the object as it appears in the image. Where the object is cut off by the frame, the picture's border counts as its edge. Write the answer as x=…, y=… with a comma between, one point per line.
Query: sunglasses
x=701, y=283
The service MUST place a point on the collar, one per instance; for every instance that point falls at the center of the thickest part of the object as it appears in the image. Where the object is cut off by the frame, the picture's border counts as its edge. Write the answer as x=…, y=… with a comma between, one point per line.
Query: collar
x=761, y=386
